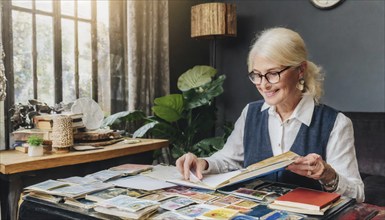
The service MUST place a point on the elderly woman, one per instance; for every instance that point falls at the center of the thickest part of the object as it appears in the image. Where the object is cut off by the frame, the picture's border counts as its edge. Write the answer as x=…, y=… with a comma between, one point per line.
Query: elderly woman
x=289, y=117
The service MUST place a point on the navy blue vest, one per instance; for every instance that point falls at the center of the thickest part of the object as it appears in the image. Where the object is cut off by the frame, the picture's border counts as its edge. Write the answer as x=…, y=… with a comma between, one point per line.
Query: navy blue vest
x=312, y=139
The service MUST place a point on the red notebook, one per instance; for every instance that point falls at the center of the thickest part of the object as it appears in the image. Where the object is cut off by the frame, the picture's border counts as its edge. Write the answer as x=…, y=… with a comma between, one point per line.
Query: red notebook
x=307, y=199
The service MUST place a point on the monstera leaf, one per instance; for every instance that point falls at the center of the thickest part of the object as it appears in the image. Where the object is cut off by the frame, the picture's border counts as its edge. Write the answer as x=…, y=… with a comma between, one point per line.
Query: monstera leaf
x=195, y=77
x=185, y=119
x=203, y=96
x=123, y=116
x=208, y=146
x=144, y=129
x=169, y=108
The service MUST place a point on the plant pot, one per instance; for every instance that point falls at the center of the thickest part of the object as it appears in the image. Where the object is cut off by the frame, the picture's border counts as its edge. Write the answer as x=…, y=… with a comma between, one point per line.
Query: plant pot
x=36, y=151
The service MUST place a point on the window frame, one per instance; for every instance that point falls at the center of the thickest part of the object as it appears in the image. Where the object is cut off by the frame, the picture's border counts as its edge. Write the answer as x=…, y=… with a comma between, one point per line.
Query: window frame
x=7, y=39
x=57, y=35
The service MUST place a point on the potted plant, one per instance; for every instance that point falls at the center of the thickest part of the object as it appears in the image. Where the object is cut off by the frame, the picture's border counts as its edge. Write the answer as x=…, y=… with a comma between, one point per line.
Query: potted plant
x=187, y=120
x=35, y=147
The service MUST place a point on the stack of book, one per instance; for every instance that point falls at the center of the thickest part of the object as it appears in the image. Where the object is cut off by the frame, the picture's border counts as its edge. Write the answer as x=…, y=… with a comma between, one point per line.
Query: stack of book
x=20, y=138
x=66, y=189
x=46, y=197
x=43, y=128
x=106, y=194
x=81, y=203
x=127, y=207
x=306, y=201
x=45, y=122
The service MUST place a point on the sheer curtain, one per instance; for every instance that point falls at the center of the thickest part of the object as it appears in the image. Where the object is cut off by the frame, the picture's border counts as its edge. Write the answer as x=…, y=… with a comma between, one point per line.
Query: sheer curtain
x=2, y=71
x=2, y=86
x=148, y=53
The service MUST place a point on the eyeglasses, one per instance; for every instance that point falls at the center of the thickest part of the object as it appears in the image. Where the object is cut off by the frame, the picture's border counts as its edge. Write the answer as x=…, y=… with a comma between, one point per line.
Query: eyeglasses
x=271, y=77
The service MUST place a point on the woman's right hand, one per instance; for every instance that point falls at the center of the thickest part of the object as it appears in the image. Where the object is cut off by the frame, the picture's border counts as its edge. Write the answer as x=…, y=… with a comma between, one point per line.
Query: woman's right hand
x=189, y=162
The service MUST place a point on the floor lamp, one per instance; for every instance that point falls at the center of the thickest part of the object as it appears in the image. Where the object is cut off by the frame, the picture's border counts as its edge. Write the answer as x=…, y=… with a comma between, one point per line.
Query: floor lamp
x=212, y=21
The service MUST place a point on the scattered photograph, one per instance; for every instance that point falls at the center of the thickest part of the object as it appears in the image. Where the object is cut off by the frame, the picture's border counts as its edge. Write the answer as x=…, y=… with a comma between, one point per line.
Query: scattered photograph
x=176, y=203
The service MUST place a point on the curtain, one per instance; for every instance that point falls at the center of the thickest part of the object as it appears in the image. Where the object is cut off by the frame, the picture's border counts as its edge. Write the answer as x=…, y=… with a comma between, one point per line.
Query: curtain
x=148, y=53
x=2, y=86
x=2, y=55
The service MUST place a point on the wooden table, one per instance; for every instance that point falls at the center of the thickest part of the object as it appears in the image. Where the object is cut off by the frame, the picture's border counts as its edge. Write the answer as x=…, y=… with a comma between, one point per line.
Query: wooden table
x=17, y=169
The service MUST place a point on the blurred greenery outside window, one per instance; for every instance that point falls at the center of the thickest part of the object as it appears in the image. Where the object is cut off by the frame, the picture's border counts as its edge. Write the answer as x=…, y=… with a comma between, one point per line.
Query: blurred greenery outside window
x=71, y=34
x=60, y=52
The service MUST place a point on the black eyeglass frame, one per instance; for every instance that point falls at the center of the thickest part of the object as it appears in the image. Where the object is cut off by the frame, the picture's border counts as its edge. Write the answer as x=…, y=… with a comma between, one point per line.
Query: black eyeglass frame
x=267, y=74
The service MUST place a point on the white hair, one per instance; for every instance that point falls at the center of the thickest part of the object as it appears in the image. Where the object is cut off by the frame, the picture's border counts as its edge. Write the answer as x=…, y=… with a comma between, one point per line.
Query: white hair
x=287, y=48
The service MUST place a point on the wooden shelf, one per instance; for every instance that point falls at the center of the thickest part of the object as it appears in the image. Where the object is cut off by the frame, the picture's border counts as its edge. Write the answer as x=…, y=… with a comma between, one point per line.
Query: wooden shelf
x=13, y=161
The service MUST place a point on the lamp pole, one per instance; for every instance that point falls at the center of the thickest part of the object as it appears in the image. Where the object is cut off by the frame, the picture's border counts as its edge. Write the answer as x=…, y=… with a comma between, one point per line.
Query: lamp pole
x=210, y=21
x=213, y=60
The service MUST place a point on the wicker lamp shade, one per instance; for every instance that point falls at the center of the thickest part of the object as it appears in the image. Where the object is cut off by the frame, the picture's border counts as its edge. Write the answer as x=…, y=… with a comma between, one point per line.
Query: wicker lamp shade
x=212, y=20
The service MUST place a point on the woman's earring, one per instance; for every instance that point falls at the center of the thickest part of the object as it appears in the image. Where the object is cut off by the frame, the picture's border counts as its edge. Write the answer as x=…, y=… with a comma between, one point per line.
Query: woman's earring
x=301, y=84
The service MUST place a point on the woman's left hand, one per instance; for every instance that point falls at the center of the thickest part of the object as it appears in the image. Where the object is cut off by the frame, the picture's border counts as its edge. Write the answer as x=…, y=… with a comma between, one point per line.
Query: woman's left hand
x=313, y=166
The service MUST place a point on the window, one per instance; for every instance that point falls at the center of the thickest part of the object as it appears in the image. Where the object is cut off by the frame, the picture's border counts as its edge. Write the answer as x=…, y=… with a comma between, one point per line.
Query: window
x=59, y=52
x=77, y=31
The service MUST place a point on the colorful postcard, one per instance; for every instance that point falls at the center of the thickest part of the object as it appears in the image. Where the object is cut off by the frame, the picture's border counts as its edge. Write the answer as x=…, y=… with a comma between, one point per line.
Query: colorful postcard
x=202, y=197
x=137, y=192
x=244, y=191
x=229, y=200
x=215, y=203
x=158, y=196
x=260, y=195
x=275, y=189
x=221, y=213
x=246, y=204
x=254, y=184
x=177, y=189
x=207, y=191
x=218, y=194
x=169, y=215
x=137, y=205
x=253, y=194
x=106, y=194
x=187, y=193
x=238, y=208
x=194, y=210
x=191, y=191
x=128, y=203
x=176, y=203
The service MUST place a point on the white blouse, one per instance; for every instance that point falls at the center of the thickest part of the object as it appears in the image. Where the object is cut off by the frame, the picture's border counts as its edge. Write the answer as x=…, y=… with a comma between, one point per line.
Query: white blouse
x=340, y=151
